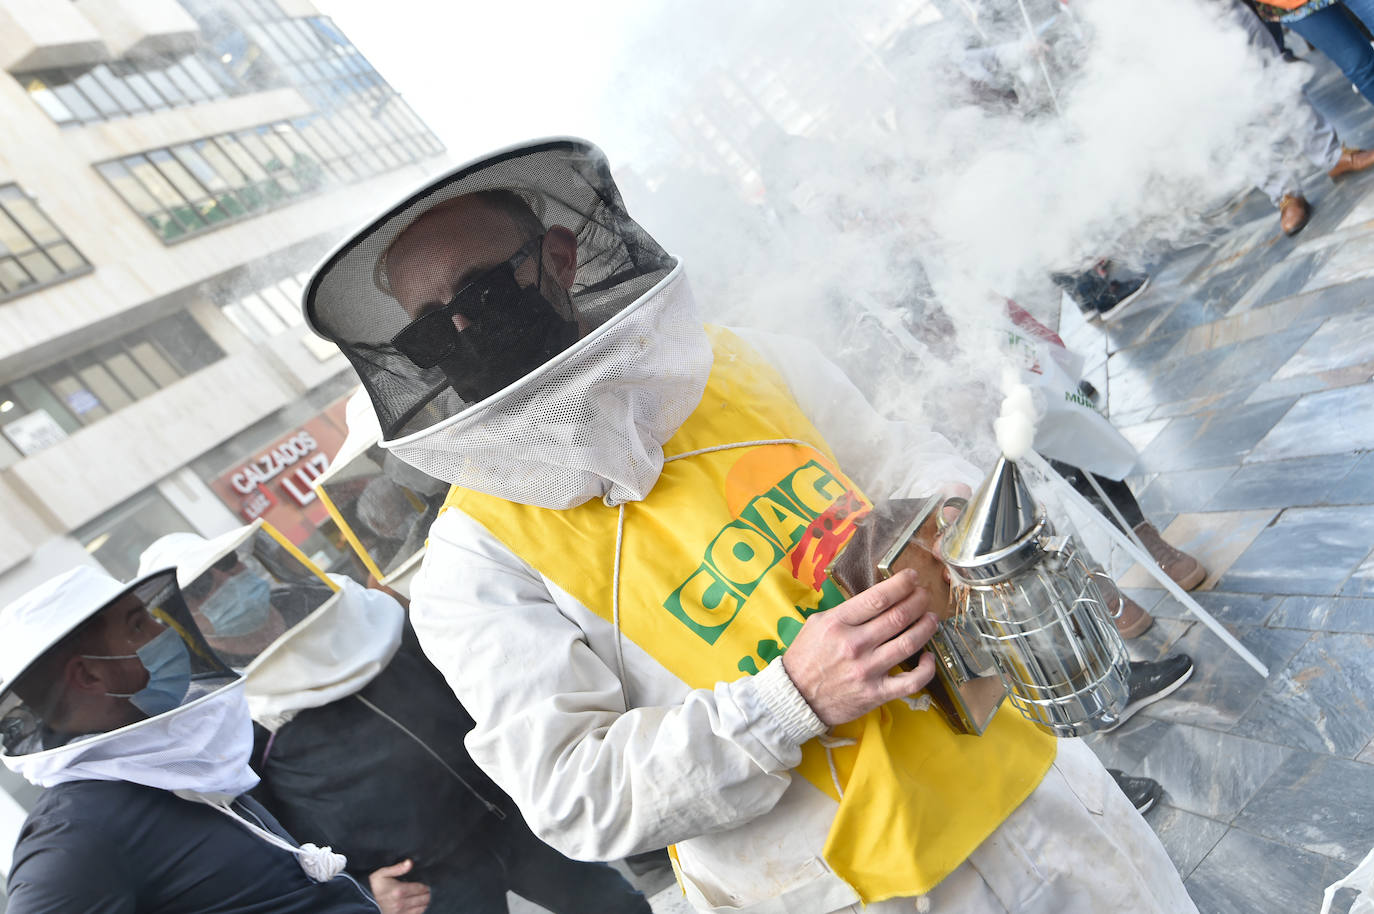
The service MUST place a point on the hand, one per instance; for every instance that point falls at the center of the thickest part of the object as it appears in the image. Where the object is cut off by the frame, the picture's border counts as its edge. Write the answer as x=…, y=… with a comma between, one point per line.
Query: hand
x=397, y=897
x=840, y=659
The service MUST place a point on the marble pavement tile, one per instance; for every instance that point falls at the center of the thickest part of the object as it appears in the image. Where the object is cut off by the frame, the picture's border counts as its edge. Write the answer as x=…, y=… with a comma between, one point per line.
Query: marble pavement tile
x=1305, y=551
x=1288, y=387
x=1223, y=687
x=1247, y=874
x=1351, y=260
x=1318, y=803
x=1321, y=701
x=1221, y=439
x=1160, y=641
x=1187, y=838
x=1282, y=483
x=1231, y=608
x=1127, y=746
x=1329, y=422
x=1142, y=433
x=1250, y=363
x=1325, y=614
x=1209, y=773
x=1216, y=539
x=1344, y=340
x=1361, y=581
x=1357, y=488
x=1183, y=490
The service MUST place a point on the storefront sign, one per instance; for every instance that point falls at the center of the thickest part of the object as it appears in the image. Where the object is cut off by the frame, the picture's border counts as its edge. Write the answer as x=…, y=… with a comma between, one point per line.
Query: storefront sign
x=33, y=432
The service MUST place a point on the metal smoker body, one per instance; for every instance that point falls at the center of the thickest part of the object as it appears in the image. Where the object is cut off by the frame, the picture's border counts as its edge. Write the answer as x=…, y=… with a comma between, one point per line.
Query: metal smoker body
x=1036, y=607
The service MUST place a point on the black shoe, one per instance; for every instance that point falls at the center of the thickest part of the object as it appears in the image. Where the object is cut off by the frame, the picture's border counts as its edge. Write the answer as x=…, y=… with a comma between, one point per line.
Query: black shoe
x=1152, y=680
x=1142, y=792
x=1118, y=294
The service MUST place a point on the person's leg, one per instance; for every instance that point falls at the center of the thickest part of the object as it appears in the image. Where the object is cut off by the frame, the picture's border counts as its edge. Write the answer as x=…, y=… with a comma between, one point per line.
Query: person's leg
x=471, y=881
x=1331, y=31
x=539, y=873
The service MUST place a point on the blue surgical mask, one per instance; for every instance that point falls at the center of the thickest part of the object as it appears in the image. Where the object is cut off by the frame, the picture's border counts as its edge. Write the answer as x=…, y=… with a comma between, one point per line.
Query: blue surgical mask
x=168, y=663
x=239, y=606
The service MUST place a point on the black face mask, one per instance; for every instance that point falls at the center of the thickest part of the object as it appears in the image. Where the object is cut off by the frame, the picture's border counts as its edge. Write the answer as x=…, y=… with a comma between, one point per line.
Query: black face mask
x=512, y=330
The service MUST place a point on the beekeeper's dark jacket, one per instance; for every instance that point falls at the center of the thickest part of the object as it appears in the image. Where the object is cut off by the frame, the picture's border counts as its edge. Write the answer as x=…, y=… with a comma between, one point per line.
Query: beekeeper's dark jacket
x=111, y=847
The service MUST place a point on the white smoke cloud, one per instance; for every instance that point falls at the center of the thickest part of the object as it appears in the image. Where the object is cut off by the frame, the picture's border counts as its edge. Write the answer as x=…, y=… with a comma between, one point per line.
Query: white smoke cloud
x=895, y=170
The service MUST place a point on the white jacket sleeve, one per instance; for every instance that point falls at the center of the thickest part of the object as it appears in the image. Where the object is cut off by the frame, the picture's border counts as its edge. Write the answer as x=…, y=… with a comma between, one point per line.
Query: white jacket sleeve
x=594, y=780
x=887, y=458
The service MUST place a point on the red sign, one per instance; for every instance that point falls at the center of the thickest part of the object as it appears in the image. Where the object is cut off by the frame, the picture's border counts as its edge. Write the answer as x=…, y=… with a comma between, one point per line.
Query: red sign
x=274, y=483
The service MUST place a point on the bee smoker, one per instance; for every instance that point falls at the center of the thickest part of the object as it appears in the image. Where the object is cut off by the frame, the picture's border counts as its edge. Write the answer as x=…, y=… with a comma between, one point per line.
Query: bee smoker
x=1036, y=608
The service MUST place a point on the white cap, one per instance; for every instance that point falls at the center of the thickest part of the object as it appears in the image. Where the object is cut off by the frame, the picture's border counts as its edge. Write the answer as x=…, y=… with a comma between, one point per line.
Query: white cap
x=39, y=619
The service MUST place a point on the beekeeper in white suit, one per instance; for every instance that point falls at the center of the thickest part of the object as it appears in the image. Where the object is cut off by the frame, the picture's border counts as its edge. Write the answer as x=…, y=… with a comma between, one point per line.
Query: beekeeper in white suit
x=642, y=516
x=111, y=698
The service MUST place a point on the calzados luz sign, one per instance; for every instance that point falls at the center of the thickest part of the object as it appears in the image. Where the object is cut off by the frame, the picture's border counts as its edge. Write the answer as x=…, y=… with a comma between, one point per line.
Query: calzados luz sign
x=299, y=448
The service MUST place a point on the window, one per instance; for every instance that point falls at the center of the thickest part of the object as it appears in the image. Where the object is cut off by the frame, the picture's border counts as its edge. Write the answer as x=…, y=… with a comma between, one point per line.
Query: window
x=118, y=537
x=89, y=386
x=33, y=253
x=264, y=312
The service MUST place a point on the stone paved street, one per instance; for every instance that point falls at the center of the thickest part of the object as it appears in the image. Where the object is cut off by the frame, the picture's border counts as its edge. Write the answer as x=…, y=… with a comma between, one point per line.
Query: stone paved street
x=1243, y=375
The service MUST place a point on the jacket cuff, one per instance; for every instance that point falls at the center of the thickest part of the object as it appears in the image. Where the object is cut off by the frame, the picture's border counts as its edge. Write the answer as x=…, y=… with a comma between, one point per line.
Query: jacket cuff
x=789, y=709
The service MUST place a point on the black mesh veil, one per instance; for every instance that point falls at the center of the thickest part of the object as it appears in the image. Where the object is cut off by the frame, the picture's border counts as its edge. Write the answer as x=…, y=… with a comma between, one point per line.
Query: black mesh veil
x=564, y=182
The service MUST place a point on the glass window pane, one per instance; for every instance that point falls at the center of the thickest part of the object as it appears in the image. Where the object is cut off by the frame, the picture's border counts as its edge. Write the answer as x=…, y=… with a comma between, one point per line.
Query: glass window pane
x=82, y=403
x=165, y=86
x=240, y=319
x=13, y=277
x=280, y=303
x=184, y=343
x=134, y=379
x=204, y=173
x=151, y=360
x=40, y=266
x=12, y=240
x=144, y=89
x=23, y=211
x=126, y=97
x=154, y=181
x=216, y=159
x=188, y=86
x=128, y=187
x=262, y=314
x=197, y=71
x=103, y=100
x=67, y=257
x=47, y=99
x=181, y=179
x=75, y=102
x=101, y=383
x=35, y=396
x=240, y=156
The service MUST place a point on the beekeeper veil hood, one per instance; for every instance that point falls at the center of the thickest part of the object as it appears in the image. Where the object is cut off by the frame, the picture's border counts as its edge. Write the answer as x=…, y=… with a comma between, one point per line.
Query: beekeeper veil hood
x=106, y=681
x=517, y=332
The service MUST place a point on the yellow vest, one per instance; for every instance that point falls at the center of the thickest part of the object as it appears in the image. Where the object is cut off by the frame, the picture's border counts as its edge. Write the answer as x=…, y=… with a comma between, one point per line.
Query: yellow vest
x=722, y=563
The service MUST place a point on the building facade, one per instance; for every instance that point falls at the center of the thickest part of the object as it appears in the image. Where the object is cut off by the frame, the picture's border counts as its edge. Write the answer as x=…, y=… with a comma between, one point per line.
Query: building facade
x=169, y=169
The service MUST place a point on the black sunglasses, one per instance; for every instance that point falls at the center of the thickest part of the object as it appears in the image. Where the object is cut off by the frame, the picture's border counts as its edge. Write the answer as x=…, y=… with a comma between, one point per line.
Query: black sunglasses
x=431, y=337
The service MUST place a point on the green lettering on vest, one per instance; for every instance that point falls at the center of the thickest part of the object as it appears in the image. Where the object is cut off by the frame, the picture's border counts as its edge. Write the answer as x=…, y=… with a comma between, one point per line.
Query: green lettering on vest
x=812, y=487
x=704, y=603
x=741, y=556
x=778, y=518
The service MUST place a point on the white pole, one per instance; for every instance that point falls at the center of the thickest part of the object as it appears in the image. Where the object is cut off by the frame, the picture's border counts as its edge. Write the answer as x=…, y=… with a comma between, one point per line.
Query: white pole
x=1143, y=558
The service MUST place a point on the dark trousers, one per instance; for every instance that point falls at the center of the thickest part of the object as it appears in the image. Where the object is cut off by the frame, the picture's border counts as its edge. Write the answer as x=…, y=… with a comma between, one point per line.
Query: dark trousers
x=508, y=857
x=1118, y=492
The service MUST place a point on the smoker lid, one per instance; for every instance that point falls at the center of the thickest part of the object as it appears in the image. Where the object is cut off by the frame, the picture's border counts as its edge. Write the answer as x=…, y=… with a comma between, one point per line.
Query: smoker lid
x=998, y=533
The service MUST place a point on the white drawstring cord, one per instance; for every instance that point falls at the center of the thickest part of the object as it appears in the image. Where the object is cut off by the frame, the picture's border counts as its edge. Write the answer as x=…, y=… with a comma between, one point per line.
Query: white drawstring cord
x=615, y=606
x=321, y=864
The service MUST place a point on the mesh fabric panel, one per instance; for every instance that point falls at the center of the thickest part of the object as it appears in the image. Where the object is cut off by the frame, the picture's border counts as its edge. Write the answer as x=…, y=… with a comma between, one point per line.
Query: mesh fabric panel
x=565, y=183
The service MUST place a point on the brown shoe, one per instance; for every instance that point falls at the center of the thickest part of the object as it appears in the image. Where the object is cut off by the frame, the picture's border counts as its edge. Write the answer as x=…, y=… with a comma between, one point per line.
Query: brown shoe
x=1294, y=211
x=1186, y=571
x=1351, y=161
x=1131, y=619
